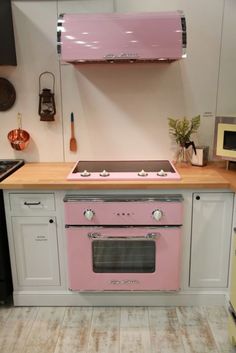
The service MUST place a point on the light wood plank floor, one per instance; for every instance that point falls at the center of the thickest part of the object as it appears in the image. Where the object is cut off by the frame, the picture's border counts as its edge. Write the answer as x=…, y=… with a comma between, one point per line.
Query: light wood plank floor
x=114, y=330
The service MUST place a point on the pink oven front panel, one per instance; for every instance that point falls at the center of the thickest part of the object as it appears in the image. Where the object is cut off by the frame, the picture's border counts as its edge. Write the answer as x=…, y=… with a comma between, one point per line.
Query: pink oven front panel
x=166, y=276
x=123, y=213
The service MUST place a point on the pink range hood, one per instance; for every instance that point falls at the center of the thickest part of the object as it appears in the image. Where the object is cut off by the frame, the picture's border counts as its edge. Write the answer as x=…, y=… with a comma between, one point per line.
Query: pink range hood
x=117, y=37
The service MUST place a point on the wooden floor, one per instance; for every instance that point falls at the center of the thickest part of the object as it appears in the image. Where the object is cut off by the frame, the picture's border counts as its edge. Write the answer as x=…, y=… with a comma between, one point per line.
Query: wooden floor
x=114, y=330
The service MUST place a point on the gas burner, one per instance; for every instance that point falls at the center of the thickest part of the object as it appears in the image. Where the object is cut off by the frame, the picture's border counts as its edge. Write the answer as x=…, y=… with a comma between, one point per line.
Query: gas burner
x=85, y=173
x=161, y=173
x=142, y=173
x=104, y=173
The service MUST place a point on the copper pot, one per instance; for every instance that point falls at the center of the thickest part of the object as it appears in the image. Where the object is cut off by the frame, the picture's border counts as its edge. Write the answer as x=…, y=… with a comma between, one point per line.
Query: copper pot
x=18, y=138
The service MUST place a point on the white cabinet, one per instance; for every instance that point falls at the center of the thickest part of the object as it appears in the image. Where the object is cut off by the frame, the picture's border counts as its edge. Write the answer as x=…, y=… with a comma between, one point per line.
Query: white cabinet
x=36, y=234
x=36, y=250
x=34, y=226
x=211, y=237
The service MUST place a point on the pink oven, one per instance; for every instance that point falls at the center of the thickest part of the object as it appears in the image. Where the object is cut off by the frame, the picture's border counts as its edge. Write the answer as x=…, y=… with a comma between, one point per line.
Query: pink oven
x=123, y=243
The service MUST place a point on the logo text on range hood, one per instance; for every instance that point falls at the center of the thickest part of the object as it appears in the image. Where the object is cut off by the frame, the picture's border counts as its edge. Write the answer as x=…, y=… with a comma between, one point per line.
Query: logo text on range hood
x=116, y=37
x=123, y=57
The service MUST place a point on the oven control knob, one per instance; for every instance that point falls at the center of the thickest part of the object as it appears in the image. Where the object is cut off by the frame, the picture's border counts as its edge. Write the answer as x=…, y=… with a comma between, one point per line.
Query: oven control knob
x=157, y=215
x=88, y=214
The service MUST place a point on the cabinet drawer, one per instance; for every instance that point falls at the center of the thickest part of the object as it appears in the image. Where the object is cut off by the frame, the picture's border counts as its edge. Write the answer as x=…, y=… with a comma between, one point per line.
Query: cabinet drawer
x=32, y=203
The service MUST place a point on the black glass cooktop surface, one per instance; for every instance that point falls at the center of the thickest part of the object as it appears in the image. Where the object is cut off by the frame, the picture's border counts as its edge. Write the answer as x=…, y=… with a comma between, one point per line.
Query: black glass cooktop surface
x=124, y=166
x=8, y=166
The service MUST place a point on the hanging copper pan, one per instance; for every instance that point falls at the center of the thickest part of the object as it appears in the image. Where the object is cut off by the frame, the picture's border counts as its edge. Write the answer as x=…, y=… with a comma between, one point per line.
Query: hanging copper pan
x=19, y=139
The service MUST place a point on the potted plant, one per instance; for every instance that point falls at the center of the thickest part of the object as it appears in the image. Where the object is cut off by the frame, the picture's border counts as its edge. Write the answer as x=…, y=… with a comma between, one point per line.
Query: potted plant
x=181, y=130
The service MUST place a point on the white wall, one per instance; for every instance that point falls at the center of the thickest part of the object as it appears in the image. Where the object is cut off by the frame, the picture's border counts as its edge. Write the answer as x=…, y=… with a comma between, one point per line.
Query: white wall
x=121, y=111
x=226, y=103
x=34, y=27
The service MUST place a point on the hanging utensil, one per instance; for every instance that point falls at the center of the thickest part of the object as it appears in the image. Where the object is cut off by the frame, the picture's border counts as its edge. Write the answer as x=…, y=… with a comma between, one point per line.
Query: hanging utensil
x=73, y=143
x=18, y=138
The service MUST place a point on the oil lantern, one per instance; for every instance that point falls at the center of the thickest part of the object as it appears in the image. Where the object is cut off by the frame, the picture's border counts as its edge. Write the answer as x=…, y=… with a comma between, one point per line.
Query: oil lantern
x=47, y=108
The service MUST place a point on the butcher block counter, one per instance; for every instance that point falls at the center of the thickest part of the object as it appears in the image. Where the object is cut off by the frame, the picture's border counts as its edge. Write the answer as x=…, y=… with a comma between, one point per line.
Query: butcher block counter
x=52, y=176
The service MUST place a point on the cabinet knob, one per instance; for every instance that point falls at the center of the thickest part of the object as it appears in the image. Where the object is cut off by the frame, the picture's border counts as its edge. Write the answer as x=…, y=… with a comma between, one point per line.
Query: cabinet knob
x=51, y=220
x=198, y=197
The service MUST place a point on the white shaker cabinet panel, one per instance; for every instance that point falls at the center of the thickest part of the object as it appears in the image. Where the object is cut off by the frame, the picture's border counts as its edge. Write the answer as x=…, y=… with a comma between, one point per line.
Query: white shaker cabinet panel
x=211, y=237
x=36, y=251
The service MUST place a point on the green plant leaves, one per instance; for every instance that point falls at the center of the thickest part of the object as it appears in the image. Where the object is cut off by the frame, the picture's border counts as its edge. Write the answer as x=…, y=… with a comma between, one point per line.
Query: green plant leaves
x=182, y=129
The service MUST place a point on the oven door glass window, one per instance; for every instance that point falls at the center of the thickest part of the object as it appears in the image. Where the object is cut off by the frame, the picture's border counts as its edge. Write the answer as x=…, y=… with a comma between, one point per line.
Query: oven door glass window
x=124, y=256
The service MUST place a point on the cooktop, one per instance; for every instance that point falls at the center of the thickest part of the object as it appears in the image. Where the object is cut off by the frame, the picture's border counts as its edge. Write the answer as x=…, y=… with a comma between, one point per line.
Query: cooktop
x=8, y=166
x=124, y=170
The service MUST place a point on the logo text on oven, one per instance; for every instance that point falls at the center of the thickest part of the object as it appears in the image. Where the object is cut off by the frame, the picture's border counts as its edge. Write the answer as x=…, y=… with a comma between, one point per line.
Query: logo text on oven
x=125, y=281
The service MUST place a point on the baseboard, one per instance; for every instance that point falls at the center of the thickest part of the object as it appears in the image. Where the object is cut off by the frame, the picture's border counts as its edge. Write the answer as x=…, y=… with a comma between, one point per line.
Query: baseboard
x=66, y=298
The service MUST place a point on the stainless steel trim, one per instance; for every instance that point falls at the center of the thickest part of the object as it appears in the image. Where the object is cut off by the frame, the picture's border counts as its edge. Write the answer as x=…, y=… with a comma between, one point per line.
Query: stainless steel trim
x=125, y=290
x=59, y=25
x=148, y=236
x=121, y=226
x=184, y=33
x=124, y=198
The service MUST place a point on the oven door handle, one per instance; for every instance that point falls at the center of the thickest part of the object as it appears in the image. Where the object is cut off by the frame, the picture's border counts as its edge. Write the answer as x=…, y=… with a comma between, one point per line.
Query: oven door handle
x=148, y=236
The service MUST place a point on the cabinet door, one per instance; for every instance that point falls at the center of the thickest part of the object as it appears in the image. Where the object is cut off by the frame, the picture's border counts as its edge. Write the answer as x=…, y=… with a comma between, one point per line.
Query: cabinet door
x=233, y=274
x=36, y=251
x=211, y=235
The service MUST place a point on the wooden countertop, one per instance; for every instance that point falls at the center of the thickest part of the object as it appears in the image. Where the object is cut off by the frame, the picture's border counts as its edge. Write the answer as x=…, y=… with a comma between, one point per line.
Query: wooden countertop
x=52, y=176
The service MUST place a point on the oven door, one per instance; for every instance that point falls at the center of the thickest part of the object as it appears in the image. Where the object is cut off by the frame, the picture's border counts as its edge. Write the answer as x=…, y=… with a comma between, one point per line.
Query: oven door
x=123, y=258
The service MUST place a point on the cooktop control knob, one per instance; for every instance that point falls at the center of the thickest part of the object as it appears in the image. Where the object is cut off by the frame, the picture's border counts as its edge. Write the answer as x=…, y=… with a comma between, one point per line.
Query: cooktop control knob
x=157, y=215
x=142, y=173
x=104, y=173
x=88, y=214
x=85, y=173
x=162, y=173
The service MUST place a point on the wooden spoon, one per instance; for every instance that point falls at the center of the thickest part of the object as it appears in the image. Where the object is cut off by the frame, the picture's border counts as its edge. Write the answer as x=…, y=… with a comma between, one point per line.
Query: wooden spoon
x=73, y=143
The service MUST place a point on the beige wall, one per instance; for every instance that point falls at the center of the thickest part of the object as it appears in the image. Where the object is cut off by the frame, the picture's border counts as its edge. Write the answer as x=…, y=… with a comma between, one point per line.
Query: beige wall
x=121, y=111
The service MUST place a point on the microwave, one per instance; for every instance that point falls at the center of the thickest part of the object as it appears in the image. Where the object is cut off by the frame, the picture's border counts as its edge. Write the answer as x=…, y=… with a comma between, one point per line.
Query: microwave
x=225, y=138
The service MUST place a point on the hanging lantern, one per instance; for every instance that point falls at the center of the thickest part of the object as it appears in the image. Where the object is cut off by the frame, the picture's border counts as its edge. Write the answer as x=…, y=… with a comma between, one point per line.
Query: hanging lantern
x=47, y=108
